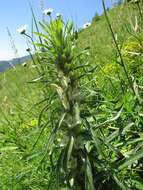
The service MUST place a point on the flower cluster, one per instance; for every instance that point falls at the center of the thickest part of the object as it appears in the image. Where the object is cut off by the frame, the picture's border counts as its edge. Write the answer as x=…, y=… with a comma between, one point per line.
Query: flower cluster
x=47, y=12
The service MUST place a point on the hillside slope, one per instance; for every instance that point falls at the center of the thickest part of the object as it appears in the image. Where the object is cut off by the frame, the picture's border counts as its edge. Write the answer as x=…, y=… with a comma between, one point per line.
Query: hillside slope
x=4, y=65
x=98, y=37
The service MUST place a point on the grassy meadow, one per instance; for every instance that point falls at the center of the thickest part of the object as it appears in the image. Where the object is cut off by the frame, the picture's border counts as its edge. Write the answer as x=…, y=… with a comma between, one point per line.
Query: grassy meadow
x=73, y=117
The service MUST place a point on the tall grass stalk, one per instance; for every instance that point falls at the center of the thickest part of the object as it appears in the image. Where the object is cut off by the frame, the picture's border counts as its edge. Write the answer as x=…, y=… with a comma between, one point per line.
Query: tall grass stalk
x=117, y=47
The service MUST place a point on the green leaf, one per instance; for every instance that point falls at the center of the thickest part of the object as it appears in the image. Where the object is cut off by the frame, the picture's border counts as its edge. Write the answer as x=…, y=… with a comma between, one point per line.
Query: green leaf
x=68, y=152
x=89, y=177
x=44, y=27
x=70, y=147
x=138, y=183
x=42, y=35
x=98, y=143
x=49, y=144
x=131, y=159
x=127, y=128
x=8, y=148
x=111, y=119
x=41, y=45
x=112, y=136
x=119, y=183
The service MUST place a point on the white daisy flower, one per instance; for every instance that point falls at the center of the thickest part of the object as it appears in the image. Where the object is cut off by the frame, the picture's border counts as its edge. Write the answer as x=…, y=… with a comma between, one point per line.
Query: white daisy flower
x=28, y=49
x=58, y=15
x=86, y=25
x=24, y=64
x=48, y=11
x=22, y=30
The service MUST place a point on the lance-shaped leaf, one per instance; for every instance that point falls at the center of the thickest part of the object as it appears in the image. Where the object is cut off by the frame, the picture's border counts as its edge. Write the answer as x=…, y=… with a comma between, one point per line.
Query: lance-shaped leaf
x=131, y=159
x=68, y=152
x=89, y=177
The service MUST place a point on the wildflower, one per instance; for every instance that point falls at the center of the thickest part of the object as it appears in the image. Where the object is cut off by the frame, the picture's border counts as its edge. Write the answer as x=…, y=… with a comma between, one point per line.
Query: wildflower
x=86, y=25
x=22, y=30
x=48, y=11
x=28, y=49
x=24, y=64
x=58, y=15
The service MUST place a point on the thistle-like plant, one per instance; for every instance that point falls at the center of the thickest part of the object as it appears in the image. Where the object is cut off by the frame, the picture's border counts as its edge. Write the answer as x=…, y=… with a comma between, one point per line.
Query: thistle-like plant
x=62, y=62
